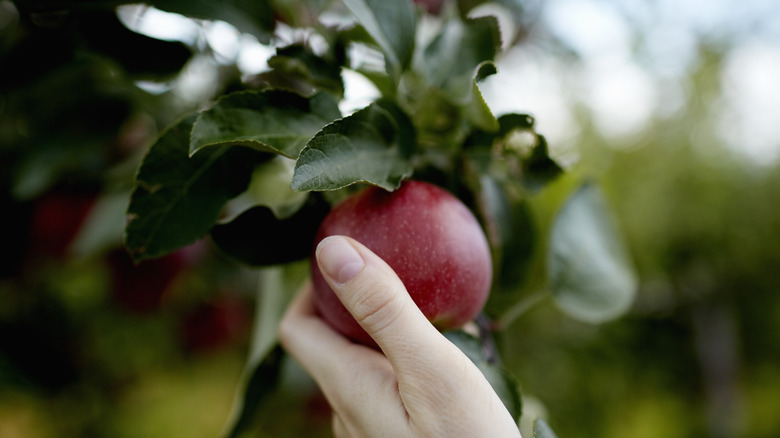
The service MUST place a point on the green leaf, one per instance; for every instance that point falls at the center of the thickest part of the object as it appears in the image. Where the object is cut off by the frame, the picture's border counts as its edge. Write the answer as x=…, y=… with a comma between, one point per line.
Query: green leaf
x=510, y=231
x=588, y=269
x=270, y=187
x=258, y=238
x=538, y=168
x=260, y=377
x=261, y=383
x=504, y=384
x=273, y=121
x=542, y=430
x=177, y=199
x=517, y=8
x=392, y=25
x=371, y=145
x=453, y=57
x=477, y=110
x=523, y=151
x=298, y=69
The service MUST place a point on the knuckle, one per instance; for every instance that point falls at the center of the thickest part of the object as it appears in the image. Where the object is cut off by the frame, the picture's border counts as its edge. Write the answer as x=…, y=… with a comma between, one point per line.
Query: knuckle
x=378, y=308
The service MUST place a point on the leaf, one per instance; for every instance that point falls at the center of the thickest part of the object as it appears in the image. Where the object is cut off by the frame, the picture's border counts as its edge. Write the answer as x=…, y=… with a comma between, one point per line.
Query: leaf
x=539, y=169
x=452, y=58
x=261, y=383
x=298, y=69
x=258, y=238
x=270, y=187
x=542, y=430
x=371, y=145
x=177, y=199
x=260, y=377
x=504, y=384
x=275, y=121
x=392, y=25
x=510, y=231
x=477, y=110
x=588, y=268
x=517, y=8
x=521, y=147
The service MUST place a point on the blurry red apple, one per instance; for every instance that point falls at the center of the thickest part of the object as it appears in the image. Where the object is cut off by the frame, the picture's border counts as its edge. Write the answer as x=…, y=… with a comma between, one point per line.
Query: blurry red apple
x=141, y=287
x=215, y=324
x=57, y=219
x=430, y=6
x=431, y=240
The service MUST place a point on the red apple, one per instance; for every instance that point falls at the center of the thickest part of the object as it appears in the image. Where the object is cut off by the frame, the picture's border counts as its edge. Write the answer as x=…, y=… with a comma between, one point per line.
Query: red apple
x=430, y=6
x=57, y=219
x=432, y=241
x=212, y=325
x=140, y=288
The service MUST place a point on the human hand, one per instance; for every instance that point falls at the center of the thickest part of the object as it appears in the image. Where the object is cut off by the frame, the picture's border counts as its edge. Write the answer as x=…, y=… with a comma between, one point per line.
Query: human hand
x=422, y=386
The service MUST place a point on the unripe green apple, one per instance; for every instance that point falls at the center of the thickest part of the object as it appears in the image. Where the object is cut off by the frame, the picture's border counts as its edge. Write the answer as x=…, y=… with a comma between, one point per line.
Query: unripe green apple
x=432, y=241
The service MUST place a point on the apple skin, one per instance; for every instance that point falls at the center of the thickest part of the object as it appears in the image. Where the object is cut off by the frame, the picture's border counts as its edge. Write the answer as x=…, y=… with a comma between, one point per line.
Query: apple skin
x=430, y=239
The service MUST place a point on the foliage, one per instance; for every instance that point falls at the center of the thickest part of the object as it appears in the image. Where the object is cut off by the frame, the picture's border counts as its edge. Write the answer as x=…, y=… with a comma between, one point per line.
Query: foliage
x=211, y=173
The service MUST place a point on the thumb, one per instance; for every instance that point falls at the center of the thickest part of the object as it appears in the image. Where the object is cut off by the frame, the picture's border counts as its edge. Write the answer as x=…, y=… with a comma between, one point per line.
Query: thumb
x=435, y=379
x=377, y=299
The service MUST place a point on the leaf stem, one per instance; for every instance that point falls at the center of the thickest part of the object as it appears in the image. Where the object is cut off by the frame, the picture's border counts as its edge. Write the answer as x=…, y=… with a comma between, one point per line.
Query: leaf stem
x=520, y=308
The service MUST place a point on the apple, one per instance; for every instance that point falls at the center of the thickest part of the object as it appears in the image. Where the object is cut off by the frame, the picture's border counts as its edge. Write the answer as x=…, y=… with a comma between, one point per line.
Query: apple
x=57, y=218
x=430, y=6
x=142, y=287
x=428, y=236
x=218, y=323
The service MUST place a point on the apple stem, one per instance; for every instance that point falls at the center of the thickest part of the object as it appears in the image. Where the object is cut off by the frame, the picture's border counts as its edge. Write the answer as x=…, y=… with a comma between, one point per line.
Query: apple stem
x=520, y=308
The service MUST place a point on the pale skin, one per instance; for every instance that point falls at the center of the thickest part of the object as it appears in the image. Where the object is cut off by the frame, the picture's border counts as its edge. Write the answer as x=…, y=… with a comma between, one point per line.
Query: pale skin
x=419, y=385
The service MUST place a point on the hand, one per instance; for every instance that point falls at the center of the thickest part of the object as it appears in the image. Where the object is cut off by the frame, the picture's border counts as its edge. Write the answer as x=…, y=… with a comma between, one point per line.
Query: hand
x=422, y=386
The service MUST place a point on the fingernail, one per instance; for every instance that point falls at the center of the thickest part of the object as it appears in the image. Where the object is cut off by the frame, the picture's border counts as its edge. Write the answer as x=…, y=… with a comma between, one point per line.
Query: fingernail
x=338, y=259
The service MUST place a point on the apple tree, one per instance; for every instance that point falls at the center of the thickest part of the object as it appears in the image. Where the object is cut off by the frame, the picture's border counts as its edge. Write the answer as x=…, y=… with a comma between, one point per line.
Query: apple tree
x=256, y=169
x=259, y=167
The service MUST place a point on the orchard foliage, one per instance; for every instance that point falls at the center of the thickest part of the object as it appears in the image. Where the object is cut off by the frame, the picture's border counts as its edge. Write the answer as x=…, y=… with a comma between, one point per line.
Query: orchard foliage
x=259, y=166
x=430, y=122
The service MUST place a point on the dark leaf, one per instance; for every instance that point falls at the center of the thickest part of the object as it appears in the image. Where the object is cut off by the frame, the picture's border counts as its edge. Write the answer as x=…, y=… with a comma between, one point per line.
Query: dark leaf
x=538, y=168
x=261, y=384
x=177, y=199
x=503, y=383
x=299, y=66
x=261, y=374
x=511, y=233
x=526, y=156
x=258, y=238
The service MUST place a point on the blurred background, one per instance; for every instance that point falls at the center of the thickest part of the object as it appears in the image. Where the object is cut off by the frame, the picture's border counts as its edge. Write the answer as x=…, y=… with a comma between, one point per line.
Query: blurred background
x=674, y=106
